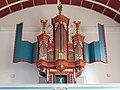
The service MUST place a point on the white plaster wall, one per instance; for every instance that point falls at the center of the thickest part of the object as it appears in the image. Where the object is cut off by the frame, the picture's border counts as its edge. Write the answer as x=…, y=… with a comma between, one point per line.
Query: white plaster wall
x=27, y=73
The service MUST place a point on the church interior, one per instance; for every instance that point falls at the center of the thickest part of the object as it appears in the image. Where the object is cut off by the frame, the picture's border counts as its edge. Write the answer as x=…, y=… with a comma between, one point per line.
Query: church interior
x=60, y=44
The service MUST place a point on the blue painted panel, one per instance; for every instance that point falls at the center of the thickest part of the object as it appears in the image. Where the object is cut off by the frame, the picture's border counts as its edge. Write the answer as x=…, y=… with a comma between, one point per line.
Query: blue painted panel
x=92, y=52
x=96, y=50
x=34, y=46
x=102, y=44
x=23, y=50
x=26, y=51
x=87, y=53
x=19, y=32
x=17, y=51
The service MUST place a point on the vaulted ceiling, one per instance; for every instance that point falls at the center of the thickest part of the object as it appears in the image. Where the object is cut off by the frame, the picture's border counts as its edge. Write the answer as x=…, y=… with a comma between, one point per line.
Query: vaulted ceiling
x=110, y=8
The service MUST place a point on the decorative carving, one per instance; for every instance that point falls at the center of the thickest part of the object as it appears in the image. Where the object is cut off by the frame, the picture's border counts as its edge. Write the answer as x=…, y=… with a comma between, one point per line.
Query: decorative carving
x=77, y=25
x=60, y=7
x=43, y=23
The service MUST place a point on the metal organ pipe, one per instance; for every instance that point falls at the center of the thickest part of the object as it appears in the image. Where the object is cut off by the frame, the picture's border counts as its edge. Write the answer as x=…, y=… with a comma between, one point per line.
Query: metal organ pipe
x=60, y=39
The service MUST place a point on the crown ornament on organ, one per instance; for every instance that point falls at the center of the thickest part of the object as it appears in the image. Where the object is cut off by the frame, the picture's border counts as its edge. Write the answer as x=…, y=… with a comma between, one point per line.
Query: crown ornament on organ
x=43, y=23
x=59, y=6
x=77, y=25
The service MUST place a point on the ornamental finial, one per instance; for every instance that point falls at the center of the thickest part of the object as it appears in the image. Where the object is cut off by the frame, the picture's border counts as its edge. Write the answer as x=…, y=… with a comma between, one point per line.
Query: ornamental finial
x=59, y=6
x=77, y=25
x=43, y=23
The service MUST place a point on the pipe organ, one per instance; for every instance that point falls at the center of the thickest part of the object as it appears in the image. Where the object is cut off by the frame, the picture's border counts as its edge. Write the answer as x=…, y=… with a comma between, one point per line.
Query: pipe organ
x=60, y=58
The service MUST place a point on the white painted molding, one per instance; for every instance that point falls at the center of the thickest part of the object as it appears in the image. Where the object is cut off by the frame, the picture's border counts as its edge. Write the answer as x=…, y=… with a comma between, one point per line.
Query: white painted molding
x=12, y=4
x=104, y=6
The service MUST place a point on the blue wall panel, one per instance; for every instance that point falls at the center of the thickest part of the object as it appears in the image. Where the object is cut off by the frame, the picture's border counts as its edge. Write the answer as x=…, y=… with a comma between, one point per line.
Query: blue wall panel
x=102, y=43
x=24, y=50
x=87, y=53
x=96, y=51
x=34, y=46
x=92, y=52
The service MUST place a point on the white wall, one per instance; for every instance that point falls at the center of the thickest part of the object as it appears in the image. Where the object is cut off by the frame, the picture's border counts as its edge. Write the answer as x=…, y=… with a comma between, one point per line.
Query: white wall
x=27, y=73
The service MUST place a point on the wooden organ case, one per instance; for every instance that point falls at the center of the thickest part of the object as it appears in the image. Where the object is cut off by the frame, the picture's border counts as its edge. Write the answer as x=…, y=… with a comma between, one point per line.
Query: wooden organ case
x=60, y=58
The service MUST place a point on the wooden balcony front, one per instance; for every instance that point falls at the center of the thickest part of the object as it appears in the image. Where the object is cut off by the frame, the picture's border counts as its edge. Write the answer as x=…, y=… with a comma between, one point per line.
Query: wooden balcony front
x=55, y=63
